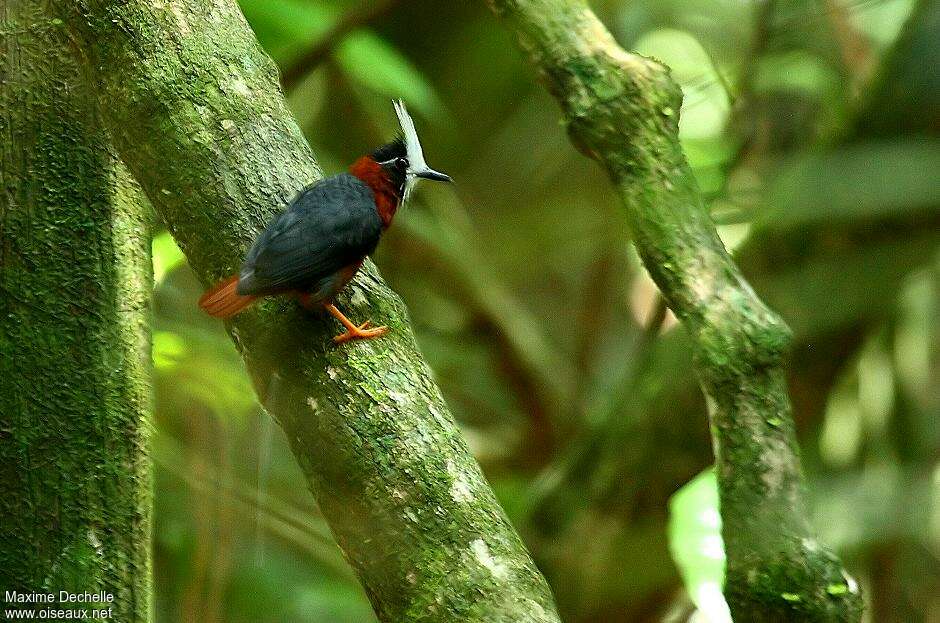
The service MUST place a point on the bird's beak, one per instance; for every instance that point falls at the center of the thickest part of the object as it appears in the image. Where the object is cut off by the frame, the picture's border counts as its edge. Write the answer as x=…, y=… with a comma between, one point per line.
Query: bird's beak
x=431, y=174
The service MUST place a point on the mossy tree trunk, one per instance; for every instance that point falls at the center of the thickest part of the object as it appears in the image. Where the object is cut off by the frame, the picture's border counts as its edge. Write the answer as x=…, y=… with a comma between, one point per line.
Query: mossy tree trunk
x=623, y=110
x=75, y=282
x=196, y=113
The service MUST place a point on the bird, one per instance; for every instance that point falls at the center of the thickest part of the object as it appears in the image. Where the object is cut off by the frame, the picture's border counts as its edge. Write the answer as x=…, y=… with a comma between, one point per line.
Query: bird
x=314, y=248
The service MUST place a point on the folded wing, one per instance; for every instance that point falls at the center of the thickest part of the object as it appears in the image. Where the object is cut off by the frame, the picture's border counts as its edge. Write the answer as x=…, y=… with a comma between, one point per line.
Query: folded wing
x=328, y=227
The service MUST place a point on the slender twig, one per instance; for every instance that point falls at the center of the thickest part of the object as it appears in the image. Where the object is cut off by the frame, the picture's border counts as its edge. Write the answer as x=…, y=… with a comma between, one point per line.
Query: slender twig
x=622, y=110
x=367, y=12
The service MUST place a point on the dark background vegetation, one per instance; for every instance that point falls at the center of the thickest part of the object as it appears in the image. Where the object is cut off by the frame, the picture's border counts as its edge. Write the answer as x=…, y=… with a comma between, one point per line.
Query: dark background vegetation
x=811, y=126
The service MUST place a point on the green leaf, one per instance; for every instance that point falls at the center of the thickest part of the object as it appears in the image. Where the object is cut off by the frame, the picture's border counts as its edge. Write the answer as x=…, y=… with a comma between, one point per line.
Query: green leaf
x=169, y=349
x=862, y=181
x=831, y=291
x=166, y=256
x=285, y=27
x=705, y=107
x=377, y=65
x=696, y=546
x=198, y=367
x=797, y=71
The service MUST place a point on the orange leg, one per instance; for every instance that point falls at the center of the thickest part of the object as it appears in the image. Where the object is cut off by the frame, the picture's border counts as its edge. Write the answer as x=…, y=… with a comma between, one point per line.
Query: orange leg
x=352, y=331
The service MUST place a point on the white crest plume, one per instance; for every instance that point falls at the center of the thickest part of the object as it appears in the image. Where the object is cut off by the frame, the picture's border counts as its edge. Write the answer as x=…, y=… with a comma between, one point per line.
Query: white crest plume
x=416, y=161
x=417, y=167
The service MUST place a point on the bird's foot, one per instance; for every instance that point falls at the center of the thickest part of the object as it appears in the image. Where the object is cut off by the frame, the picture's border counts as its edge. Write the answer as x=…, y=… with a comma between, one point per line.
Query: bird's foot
x=362, y=332
x=354, y=332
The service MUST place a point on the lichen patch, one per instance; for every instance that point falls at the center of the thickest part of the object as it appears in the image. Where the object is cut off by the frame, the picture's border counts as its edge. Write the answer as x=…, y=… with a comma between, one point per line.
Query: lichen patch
x=776, y=460
x=399, y=398
x=358, y=299
x=482, y=553
x=459, y=489
x=181, y=20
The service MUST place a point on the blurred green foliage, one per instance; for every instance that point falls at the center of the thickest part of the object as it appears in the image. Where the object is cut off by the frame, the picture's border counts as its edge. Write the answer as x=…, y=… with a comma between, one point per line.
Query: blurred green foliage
x=696, y=546
x=812, y=129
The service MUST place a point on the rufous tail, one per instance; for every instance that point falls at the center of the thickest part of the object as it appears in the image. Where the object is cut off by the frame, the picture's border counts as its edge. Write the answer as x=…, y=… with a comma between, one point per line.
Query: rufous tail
x=223, y=301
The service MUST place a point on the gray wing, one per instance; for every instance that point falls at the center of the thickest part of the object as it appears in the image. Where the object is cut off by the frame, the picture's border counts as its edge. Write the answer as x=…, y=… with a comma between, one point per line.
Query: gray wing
x=328, y=226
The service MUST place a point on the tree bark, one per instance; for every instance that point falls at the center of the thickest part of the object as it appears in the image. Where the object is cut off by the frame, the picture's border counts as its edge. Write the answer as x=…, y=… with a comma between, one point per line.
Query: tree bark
x=195, y=111
x=75, y=284
x=623, y=110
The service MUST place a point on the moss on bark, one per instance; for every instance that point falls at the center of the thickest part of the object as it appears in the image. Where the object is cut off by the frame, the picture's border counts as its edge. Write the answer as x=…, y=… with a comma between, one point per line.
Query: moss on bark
x=196, y=113
x=623, y=110
x=75, y=479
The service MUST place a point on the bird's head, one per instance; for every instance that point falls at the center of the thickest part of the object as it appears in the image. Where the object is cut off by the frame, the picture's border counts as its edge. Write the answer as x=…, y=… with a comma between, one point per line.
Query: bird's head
x=402, y=160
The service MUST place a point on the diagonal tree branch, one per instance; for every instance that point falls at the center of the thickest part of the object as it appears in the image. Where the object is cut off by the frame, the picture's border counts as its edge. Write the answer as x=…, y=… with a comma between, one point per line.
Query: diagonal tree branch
x=195, y=111
x=622, y=110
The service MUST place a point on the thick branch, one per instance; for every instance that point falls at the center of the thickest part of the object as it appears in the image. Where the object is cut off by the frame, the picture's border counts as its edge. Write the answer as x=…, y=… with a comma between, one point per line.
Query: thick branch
x=623, y=110
x=75, y=284
x=196, y=113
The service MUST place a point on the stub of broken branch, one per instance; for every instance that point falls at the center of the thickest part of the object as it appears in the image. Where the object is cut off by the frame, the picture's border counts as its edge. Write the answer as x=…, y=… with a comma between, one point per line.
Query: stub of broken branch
x=623, y=110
